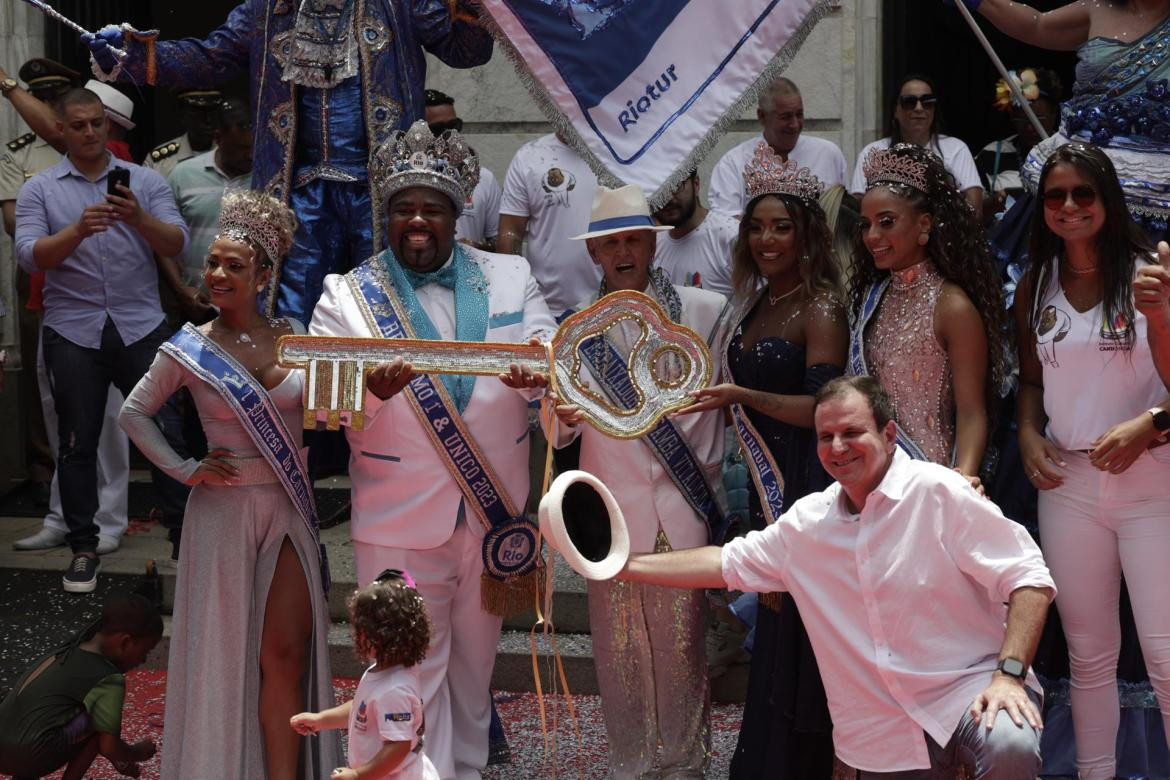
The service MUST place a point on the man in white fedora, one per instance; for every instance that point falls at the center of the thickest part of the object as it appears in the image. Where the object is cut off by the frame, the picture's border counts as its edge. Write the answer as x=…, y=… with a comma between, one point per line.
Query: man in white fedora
x=648, y=641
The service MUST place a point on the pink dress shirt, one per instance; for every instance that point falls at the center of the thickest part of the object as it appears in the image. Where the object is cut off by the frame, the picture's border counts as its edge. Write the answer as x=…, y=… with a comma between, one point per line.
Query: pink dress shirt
x=905, y=603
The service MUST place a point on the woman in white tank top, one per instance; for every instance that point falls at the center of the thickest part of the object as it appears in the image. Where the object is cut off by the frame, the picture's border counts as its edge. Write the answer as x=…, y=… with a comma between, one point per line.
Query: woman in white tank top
x=1089, y=404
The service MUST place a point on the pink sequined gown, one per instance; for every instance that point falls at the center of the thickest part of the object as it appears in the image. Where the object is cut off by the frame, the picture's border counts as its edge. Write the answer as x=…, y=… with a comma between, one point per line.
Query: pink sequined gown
x=903, y=353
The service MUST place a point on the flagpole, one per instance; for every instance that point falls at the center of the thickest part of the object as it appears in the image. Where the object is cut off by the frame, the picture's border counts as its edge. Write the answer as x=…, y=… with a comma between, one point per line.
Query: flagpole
x=1021, y=101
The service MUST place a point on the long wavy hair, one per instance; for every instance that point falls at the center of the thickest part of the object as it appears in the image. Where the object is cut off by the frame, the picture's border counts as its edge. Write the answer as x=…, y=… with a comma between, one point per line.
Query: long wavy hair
x=960, y=255
x=814, y=246
x=1120, y=243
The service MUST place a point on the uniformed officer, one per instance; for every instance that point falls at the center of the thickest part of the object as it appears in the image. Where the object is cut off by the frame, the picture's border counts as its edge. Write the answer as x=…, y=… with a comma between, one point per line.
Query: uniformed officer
x=20, y=159
x=200, y=116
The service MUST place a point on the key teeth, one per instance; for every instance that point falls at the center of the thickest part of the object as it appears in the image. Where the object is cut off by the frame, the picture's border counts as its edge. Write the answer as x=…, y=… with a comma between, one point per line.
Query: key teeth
x=310, y=419
x=357, y=421
x=333, y=420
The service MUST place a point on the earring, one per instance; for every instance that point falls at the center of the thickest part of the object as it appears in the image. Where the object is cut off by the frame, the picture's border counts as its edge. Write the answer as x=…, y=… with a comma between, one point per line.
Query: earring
x=923, y=237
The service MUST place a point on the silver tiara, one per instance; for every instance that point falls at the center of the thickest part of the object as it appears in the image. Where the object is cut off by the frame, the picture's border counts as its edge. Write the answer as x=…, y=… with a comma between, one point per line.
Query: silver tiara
x=416, y=158
x=887, y=166
x=260, y=219
x=766, y=173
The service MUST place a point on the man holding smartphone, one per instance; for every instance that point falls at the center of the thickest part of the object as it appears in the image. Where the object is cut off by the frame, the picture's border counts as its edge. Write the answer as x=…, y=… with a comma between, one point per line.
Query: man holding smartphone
x=94, y=227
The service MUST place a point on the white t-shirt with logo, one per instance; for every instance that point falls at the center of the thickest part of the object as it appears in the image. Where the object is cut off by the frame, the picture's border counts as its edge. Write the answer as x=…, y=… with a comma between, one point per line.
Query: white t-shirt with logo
x=725, y=191
x=551, y=185
x=481, y=213
x=956, y=158
x=387, y=707
x=1091, y=381
x=701, y=258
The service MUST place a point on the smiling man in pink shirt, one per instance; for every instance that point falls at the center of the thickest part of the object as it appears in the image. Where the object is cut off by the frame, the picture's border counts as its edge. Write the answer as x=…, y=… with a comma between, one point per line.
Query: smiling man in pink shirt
x=905, y=578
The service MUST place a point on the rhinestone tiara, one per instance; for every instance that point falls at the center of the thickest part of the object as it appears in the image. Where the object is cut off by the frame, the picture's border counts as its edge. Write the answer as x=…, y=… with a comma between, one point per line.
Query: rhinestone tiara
x=888, y=166
x=260, y=219
x=416, y=158
x=766, y=173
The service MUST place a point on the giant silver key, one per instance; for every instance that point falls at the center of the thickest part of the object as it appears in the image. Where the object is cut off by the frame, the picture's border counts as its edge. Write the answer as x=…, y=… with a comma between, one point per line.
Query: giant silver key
x=666, y=362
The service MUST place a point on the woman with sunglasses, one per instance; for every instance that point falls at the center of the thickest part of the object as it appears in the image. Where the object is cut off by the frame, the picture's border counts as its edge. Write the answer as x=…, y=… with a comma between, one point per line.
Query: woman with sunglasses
x=1118, y=100
x=1091, y=426
x=250, y=634
x=928, y=319
x=916, y=120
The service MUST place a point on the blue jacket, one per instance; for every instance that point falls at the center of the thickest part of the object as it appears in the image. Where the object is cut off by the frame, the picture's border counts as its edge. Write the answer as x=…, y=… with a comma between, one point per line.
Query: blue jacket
x=255, y=39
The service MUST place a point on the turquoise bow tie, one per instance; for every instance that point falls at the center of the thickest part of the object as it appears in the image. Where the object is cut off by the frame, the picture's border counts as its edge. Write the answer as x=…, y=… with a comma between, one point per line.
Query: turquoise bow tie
x=444, y=276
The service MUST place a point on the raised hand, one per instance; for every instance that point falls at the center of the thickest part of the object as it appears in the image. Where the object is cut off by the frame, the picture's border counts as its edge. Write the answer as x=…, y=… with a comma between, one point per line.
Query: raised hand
x=388, y=379
x=1151, y=288
x=714, y=397
x=520, y=377
x=101, y=45
x=125, y=206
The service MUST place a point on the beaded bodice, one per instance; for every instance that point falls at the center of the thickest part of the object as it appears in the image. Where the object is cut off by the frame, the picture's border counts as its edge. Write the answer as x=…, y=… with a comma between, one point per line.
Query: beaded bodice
x=903, y=353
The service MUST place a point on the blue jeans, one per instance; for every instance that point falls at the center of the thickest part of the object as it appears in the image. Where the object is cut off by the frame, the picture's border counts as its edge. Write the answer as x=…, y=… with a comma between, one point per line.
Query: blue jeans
x=1007, y=752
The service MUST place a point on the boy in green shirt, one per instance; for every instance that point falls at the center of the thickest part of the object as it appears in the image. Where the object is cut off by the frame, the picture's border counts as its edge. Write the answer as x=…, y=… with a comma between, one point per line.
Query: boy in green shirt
x=67, y=707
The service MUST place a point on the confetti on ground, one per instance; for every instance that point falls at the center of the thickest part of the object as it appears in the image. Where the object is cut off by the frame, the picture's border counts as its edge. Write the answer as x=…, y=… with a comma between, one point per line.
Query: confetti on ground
x=520, y=712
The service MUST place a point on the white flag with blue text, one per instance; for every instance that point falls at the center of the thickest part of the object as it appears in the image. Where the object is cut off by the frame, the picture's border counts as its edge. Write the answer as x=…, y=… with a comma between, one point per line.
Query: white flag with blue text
x=643, y=88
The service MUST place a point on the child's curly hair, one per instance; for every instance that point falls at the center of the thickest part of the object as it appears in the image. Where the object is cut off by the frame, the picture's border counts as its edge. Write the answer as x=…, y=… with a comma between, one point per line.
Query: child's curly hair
x=389, y=622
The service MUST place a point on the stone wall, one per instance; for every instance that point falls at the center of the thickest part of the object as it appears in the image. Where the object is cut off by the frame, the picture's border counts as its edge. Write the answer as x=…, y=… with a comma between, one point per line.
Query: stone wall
x=838, y=72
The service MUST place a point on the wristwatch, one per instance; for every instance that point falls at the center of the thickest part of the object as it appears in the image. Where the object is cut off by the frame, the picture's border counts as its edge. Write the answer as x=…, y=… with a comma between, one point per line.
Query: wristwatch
x=7, y=85
x=1013, y=667
x=1161, y=419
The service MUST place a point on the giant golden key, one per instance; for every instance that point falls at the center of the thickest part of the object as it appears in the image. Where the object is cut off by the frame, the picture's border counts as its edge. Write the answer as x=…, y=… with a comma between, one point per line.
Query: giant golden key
x=665, y=363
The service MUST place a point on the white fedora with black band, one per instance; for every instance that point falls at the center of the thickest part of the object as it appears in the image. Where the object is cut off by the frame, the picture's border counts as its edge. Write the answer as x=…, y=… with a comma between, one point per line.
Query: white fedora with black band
x=615, y=211
x=581, y=520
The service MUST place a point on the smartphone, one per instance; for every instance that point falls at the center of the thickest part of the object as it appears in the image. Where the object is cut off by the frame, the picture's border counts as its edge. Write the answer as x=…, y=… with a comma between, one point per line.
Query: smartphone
x=117, y=176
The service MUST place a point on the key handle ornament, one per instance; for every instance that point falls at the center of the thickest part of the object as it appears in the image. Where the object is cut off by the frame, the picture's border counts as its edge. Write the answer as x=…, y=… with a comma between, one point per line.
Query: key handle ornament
x=665, y=363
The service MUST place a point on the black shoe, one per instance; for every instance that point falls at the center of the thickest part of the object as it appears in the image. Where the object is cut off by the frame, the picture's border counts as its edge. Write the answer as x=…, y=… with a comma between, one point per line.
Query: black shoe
x=81, y=576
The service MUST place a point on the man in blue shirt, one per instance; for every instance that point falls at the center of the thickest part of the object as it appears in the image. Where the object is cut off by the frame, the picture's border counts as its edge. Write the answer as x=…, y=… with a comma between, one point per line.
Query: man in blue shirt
x=103, y=322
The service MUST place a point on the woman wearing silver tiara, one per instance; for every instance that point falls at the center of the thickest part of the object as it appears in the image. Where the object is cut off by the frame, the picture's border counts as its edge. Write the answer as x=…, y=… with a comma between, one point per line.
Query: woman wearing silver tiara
x=787, y=338
x=1121, y=99
x=248, y=648
x=928, y=319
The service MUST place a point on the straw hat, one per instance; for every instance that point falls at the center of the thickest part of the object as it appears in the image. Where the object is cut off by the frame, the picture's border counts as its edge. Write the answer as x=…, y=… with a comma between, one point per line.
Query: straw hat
x=615, y=211
x=119, y=108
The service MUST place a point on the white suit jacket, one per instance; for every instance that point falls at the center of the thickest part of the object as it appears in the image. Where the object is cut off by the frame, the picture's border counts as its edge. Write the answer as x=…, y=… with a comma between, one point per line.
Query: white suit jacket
x=403, y=494
x=630, y=469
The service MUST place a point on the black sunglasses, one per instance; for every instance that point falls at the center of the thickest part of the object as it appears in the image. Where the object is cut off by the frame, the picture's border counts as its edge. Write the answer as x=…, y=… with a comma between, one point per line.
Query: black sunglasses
x=908, y=102
x=390, y=574
x=1082, y=195
x=438, y=128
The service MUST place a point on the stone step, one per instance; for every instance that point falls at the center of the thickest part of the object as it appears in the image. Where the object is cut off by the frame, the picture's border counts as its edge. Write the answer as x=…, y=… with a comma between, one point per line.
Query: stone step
x=147, y=541
x=513, y=669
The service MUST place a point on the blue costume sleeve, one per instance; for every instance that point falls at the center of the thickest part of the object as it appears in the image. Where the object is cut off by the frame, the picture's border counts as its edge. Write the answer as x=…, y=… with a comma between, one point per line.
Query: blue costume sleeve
x=455, y=38
x=190, y=62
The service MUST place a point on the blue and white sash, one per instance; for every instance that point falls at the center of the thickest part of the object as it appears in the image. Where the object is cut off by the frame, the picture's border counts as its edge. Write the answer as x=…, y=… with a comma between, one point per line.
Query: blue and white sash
x=510, y=546
x=761, y=465
x=610, y=370
x=252, y=405
x=857, y=367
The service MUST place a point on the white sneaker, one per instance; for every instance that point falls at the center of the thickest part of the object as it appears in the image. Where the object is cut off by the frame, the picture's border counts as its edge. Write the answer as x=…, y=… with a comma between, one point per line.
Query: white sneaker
x=108, y=544
x=44, y=539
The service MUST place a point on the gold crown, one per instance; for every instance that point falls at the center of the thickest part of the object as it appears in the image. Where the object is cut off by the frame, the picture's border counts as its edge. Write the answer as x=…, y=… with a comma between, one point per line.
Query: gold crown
x=416, y=158
x=892, y=166
x=260, y=219
x=768, y=174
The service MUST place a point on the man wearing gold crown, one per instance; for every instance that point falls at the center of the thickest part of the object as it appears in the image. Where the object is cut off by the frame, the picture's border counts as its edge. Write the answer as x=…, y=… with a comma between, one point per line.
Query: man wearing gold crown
x=440, y=471
x=330, y=80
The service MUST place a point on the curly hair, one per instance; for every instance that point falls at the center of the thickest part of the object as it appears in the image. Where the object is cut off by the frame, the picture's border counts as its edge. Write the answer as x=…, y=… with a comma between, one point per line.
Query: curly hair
x=389, y=622
x=1119, y=244
x=960, y=254
x=814, y=243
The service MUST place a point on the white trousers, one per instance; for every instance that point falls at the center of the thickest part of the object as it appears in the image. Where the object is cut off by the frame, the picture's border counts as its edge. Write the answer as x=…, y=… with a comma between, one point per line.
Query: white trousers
x=456, y=674
x=1094, y=528
x=113, y=462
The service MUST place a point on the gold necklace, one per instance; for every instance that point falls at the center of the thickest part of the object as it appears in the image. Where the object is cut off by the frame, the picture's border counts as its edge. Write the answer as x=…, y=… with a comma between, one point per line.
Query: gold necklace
x=773, y=300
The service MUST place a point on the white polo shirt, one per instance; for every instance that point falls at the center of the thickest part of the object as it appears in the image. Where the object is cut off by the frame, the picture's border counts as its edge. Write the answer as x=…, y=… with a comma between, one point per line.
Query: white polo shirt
x=905, y=603
x=725, y=190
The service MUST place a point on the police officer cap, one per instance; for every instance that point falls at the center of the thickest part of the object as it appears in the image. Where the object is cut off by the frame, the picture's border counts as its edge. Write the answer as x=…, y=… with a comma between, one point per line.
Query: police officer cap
x=42, y=73
x=200, y=97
